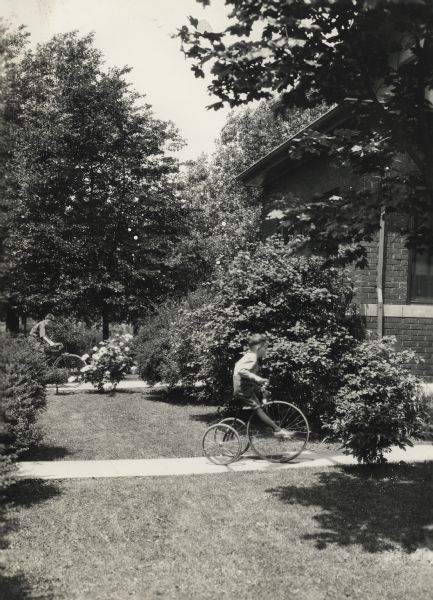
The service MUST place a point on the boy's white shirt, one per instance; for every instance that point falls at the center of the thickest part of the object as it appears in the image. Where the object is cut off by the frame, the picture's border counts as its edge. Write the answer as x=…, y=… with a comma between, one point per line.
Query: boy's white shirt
x=246, y=366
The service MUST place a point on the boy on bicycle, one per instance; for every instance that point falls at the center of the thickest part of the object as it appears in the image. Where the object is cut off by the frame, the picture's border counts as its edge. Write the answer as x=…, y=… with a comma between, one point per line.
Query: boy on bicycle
x=39, y=333
x=247, y=381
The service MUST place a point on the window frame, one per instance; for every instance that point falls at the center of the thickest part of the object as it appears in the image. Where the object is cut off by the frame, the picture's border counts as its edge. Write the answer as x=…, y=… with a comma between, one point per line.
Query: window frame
x=410, y=281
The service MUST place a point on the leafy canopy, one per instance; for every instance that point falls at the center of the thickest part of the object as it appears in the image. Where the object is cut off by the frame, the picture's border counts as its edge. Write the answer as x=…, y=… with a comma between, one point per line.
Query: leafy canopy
x=226, y=215
x=94, y=213
x=374, y=55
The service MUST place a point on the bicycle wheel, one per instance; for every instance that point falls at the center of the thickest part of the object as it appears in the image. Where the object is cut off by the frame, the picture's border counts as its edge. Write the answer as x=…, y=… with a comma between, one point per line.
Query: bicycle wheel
x=241, y=428
x=278, y=449
x=221, y=444
x=73, y=364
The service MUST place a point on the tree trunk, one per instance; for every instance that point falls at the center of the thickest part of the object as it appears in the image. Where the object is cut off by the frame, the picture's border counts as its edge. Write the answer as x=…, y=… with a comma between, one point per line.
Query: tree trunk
x=24, y=323
x=105, y=324
x=12, y=321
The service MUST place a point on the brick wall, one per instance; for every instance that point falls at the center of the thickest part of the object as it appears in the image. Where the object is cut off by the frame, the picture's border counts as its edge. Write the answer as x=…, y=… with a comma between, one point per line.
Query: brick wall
x=365, y=280
x=411, y=334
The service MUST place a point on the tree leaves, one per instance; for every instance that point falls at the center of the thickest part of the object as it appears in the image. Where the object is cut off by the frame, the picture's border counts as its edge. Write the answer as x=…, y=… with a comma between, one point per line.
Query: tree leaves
x=377, y=53
x=94, y=213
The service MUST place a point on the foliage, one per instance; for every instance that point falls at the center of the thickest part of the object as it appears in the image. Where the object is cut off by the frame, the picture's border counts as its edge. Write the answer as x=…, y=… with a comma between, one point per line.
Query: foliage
x=375, y=56
x=109, y=363
x=317, y=357
x=22, y=392
x=94, y=212
x=378, y=404
x=11, y=44
x=152, y=345
x=301, y=306
x=225, y=215
x=426, y=431
x=57, y=376
x=75, y=336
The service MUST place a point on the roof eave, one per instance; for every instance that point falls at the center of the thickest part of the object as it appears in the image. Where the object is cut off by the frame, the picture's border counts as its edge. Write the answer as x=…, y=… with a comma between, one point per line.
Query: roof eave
x=255, y=175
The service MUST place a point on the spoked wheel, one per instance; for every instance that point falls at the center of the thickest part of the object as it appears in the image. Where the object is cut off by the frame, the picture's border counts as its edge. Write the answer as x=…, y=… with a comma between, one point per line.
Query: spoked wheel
x=241, y=428
x=73, y=364
x=279, y=449
x=221, y=444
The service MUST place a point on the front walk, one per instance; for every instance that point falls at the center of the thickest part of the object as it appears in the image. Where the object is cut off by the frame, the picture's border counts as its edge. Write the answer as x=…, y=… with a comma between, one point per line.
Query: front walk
x=158, y=467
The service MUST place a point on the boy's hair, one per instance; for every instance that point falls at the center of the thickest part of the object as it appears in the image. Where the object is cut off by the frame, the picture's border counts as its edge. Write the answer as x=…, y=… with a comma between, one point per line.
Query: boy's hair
x=49, y=317
x=257, y=338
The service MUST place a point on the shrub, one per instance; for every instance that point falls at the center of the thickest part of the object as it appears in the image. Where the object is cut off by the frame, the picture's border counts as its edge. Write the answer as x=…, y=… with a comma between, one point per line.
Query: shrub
x=152, y=345
x=110, y=362
x=317, y=356
x=300, y=304
x=22, y=392
x=426, y=432
x=56, y=376
x=379, y=404
x=75, y=337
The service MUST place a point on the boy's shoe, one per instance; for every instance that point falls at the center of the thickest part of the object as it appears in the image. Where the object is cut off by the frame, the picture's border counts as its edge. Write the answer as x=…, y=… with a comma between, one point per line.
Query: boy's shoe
x=283, y=433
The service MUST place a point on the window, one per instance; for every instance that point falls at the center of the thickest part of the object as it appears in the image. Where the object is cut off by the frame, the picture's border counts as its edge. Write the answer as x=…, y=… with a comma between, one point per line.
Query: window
x=422, y=277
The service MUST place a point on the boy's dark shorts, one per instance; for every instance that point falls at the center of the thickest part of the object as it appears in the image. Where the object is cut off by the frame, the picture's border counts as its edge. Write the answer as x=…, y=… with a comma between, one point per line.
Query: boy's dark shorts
x=250, y=400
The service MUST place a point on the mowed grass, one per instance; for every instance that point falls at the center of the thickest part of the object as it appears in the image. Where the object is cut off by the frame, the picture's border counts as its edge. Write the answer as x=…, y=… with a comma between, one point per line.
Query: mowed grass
x=304, y=535
x=95, y=426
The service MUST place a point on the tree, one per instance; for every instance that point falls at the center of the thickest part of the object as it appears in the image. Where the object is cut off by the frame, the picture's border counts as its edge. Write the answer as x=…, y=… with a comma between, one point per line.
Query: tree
x=94, y=212
x=11, y=44
x=225, y=214
x=375, y=55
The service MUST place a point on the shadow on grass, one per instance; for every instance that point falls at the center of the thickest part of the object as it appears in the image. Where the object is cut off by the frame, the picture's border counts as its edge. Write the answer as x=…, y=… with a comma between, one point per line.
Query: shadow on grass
x=176, y=396
x=20, y=494
x=16, y=587
x=379, y=508
x=43, y=452
x=208, y=418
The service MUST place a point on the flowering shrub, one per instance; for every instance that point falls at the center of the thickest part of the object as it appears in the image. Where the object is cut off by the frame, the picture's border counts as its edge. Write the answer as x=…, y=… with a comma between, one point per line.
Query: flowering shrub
x=110, y=362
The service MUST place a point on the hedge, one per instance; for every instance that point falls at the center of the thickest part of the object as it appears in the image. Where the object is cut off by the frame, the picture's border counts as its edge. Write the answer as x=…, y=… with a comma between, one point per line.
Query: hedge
x=22, y=396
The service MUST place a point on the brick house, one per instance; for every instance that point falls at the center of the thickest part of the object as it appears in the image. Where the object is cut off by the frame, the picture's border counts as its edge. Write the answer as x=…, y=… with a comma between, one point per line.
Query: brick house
x=395, y=291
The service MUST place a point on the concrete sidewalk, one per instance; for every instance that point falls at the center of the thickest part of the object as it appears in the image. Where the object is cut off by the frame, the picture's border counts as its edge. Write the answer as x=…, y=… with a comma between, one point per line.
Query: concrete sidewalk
x=159, y=467
x=126, y=384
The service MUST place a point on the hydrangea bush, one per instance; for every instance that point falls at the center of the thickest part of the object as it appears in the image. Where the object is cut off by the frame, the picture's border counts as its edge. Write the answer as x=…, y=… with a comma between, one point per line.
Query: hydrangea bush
x=109, y=362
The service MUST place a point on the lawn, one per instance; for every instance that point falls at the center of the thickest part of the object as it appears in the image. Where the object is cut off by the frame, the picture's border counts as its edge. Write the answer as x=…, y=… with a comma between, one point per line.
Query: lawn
x=303, y=535
x=88, y=426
